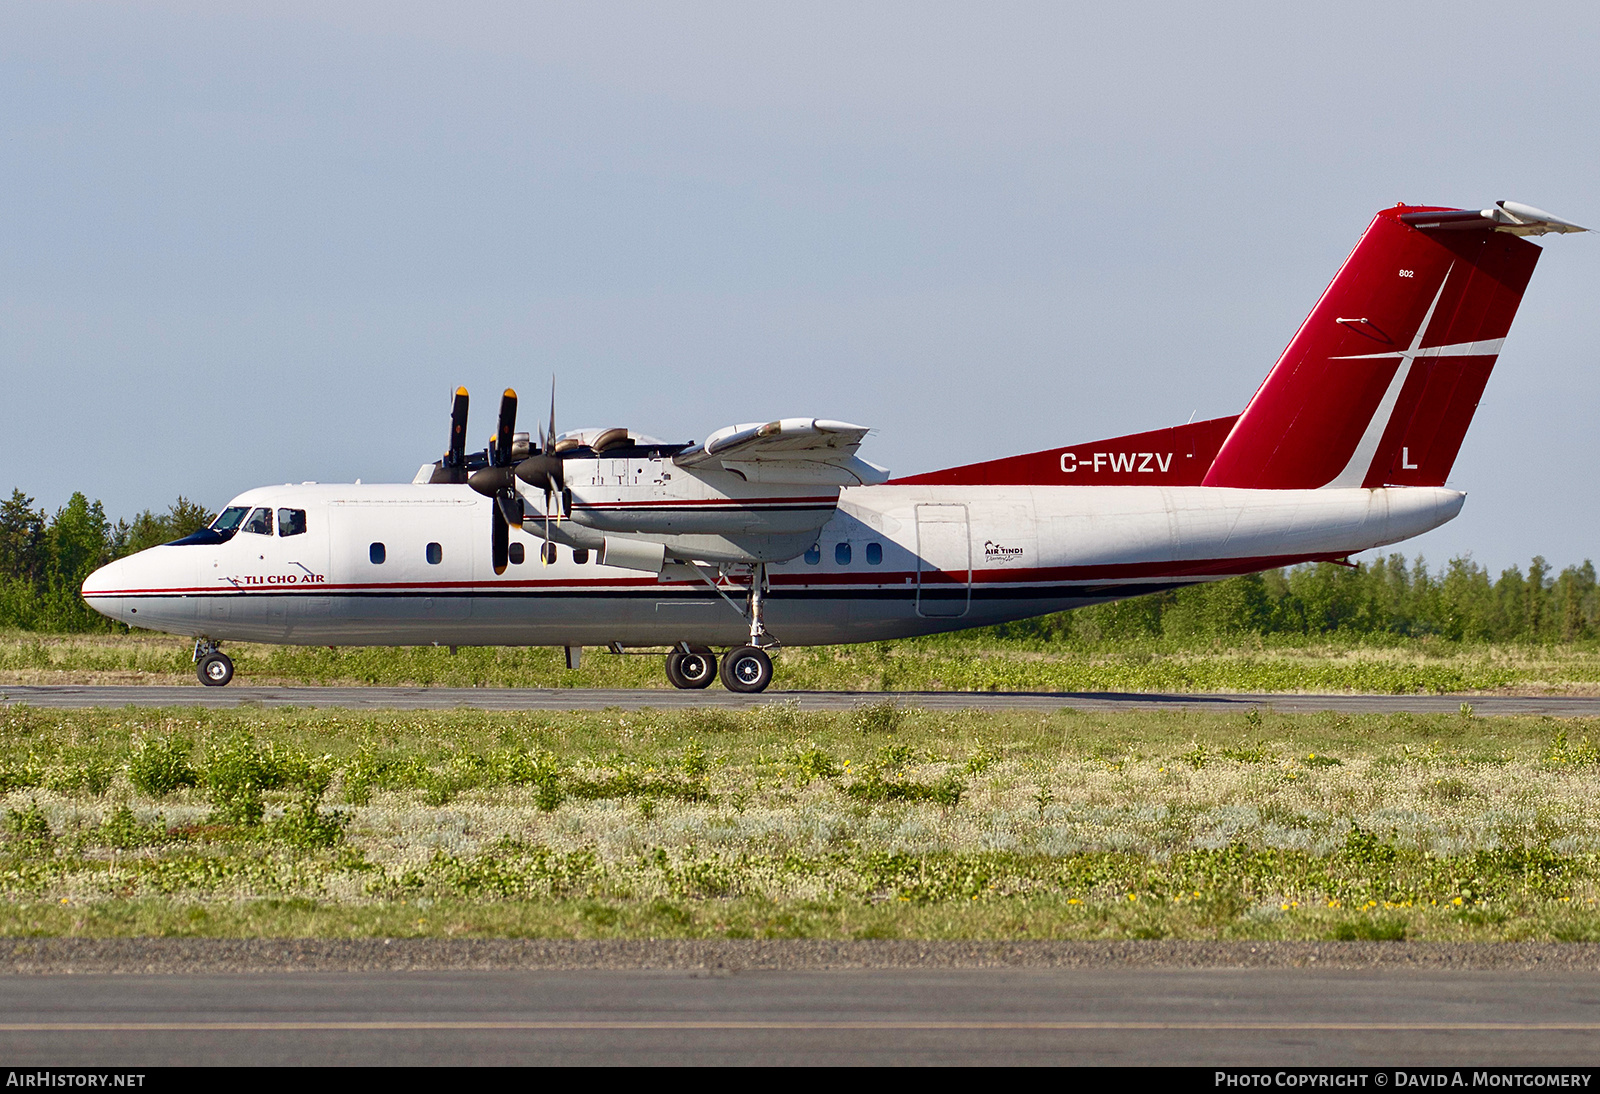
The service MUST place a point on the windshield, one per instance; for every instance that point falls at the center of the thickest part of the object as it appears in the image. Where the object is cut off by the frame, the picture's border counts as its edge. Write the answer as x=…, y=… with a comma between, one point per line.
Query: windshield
x=221, y=530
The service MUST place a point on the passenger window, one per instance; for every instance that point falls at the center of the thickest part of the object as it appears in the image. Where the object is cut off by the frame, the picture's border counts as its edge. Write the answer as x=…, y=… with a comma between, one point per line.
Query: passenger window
x=518, y=553
x=291, y=522
x=814, y=554
x=841, y=554
x=580, y=555
x=548, y=552
x=874, y=554
x=259, y=522
x=435, y=554
x=377, y=554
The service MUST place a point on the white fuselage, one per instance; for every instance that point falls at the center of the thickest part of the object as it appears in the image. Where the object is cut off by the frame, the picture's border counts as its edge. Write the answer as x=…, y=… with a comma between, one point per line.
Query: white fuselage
x=893, y=561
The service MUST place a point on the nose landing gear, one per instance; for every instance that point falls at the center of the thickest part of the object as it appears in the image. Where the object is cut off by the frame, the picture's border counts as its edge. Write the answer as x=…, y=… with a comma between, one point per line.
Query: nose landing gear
x=213, y=666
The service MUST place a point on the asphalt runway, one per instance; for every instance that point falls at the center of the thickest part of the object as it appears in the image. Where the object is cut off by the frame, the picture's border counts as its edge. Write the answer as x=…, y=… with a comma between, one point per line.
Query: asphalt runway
x=66, y=696
x=865, y=1016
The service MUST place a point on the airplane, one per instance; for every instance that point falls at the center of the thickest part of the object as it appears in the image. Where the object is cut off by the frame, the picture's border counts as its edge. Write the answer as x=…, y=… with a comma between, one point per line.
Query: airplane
x=779, y=534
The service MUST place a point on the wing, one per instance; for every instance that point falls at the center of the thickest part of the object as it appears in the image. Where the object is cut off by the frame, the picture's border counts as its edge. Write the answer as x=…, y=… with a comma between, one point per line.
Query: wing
x=793, y=450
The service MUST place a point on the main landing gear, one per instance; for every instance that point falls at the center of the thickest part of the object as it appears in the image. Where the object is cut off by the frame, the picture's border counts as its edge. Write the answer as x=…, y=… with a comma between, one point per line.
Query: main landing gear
x=213, y=666
x=746, y=669
x=691, y=667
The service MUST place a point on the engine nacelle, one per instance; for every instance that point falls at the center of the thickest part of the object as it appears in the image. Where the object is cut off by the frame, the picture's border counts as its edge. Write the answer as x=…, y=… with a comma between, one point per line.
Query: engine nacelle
x=651, y=496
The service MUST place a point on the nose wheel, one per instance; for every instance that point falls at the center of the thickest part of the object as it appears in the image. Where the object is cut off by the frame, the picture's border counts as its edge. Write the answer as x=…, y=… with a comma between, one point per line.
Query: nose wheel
x=214, y=669
x=213, y=666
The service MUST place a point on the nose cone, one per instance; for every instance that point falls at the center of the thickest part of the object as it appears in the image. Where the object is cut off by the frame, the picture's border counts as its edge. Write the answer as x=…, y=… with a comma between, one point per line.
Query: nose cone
x=151, y=590
x=101, y=589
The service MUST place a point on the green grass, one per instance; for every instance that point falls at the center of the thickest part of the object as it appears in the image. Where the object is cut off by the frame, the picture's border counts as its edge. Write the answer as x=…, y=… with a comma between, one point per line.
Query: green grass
x=774, y=822
x=976, y=661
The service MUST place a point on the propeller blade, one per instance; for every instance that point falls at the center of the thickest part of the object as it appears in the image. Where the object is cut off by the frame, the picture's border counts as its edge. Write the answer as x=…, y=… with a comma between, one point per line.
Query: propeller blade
x=500, y=450
x=458, y=429
x=500, y=542
x=509, y=506
x=544, y=552
x=451, y=469
x=552, y=434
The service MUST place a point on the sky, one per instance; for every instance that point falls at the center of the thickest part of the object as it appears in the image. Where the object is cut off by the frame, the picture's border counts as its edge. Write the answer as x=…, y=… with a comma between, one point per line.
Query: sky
x=243, y=244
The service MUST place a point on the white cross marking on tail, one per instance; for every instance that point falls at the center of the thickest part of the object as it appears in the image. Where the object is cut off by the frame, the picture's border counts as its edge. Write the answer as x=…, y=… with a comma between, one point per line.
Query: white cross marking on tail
x=1355, y=472
x=1489, y=347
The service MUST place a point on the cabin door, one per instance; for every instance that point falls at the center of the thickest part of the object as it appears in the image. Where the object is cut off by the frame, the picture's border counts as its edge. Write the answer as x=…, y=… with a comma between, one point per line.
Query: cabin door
x=944, y=561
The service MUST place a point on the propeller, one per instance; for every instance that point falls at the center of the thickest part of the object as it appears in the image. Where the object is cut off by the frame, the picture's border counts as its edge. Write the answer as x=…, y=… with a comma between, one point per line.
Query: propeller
x=498, y=481
x=453, y=468
x=544, y=471
x=502, y=464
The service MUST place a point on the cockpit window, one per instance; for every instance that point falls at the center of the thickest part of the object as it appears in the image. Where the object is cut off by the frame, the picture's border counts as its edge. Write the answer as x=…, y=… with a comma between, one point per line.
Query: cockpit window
x=228, y=523
x=259, y=522
x=291, y=522
x=221, y=530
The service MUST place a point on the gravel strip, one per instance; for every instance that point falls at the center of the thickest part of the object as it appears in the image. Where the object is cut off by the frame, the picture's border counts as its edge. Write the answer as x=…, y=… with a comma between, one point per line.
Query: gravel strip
x=56, y=956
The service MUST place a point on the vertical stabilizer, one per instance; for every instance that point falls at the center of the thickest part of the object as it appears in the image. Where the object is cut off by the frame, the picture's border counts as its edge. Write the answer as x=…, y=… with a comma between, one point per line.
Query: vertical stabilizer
x=1381, y=381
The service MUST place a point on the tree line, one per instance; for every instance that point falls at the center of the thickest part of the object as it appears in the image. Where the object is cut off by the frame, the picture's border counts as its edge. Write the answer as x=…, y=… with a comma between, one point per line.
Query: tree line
x=44, y=559
x=1384, y=597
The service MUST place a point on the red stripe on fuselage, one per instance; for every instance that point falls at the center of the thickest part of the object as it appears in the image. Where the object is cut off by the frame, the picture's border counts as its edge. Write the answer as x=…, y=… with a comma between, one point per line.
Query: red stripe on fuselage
x=1022, y=577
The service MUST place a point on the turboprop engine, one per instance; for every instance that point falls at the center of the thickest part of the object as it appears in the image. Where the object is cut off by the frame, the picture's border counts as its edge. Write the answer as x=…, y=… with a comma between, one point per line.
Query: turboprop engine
x=751, y=493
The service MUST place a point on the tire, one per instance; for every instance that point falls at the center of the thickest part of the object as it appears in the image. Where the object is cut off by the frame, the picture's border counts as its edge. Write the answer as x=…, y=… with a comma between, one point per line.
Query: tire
x=747, y=670
x=693, y=670
x=214, y=670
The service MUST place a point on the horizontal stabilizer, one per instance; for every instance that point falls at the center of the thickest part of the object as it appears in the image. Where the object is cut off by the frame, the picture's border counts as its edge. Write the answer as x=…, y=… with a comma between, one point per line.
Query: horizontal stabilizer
x=1512, y=217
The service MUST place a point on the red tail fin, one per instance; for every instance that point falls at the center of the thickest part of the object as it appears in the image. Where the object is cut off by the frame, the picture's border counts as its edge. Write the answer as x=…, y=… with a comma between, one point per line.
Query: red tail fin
x=1381, y=381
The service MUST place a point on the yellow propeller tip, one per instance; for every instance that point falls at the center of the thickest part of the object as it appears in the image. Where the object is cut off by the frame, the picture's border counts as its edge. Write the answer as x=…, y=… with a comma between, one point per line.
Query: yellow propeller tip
x=461, y=391
x=511, y=394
